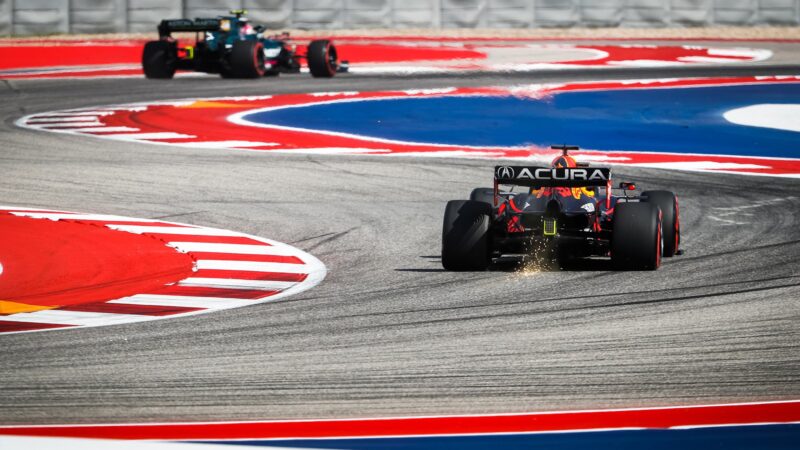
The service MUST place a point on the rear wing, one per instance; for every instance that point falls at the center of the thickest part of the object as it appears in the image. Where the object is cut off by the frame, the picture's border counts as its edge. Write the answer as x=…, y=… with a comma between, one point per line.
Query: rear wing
x=552, y=177
x=166, y=27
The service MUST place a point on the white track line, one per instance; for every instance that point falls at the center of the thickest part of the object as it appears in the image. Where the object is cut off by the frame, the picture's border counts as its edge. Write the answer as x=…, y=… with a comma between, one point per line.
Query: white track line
x=142, y=229
x=149, y=136
x=104, y=130
x=77, y=318
x=251, y=266
x=227, y=144
x=49, y=120
x=184, y=301
x=59, y=216
x=49, y=443
x=72, y=114
x=50, y=126
x=228, y=283
x=240, y=249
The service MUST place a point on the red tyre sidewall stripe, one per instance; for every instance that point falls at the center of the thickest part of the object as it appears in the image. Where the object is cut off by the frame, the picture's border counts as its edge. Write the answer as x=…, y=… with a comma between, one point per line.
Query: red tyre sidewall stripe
x=331, y=70
x=259, y=67
x=658, y=239
x=677, y=225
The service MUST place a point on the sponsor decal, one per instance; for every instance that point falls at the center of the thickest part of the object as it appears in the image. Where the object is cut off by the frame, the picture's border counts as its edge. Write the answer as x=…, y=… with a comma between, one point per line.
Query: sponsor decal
x=597, y=175
x=504, y=172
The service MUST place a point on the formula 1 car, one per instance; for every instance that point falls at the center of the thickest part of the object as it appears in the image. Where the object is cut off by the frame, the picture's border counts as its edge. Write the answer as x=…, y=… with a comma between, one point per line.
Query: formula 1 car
x=231, y=47
x=561, y=215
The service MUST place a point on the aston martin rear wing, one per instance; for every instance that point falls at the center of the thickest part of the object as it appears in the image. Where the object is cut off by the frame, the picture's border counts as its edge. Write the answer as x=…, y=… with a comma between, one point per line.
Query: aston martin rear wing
x=552, y=177
x=166, y=27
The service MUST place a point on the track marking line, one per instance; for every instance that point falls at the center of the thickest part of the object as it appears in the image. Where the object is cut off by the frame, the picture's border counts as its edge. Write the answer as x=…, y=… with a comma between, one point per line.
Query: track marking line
x=149, y=136
x=229, y=283
x=531, y=423
x=250, y=266
x=89, y=217
x=226, y=144
x=50, y=126
x=243, y=249
x=169, y=116
x=54, y=120
x=75, y=318
x=68, y=113
x=184, y=301
x=103, y=130
x=142, y=229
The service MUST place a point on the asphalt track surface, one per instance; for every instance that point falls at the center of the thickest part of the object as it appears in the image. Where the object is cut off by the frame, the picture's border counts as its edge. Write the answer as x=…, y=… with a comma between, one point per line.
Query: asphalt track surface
x=389, y=333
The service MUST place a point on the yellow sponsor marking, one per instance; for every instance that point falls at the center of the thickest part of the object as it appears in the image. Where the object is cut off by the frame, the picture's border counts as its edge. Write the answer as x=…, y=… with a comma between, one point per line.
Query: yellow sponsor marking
x=207, y=104
x=7, y=307
x=576, y=192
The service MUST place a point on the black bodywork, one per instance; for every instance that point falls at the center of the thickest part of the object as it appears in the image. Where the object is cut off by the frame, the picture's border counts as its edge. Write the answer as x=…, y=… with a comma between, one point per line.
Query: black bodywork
x=561, y=218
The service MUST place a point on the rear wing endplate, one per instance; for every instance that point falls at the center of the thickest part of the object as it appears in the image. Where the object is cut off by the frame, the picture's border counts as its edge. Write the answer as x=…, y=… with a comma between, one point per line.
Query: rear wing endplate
x=552, y=177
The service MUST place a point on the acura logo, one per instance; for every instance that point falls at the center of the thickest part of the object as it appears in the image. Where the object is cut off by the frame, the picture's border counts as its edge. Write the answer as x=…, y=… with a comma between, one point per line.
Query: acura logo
x=505, y=172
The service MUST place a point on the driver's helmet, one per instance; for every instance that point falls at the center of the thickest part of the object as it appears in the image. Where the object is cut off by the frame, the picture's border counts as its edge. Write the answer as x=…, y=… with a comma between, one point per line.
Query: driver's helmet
x=564, y=161
x=246, y=28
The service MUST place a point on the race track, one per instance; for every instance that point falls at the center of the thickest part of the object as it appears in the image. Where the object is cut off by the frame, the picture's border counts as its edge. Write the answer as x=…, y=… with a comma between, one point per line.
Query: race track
x=388, y=332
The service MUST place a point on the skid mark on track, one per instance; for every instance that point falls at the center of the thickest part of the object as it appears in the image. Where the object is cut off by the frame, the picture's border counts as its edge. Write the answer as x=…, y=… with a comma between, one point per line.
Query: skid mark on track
x=605, y=296
x=755, y=248
x=727, y=221
x=332, y=237
x=731, y=210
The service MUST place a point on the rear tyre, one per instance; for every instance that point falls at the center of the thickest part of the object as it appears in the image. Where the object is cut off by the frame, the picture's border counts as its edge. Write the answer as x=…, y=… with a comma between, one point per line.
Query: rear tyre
x=485, y=195
x=322, y=59
x=636, y=242
x=246, y=60
x=465, y=235
x=670, y=218
x=159, y=59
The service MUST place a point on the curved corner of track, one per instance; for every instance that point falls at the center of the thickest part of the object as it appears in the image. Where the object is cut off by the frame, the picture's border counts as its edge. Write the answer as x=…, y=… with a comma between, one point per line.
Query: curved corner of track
x=64, y=270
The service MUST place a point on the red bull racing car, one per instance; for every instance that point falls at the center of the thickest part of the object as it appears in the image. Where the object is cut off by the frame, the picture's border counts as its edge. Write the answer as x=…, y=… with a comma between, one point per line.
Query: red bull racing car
x=568, y=210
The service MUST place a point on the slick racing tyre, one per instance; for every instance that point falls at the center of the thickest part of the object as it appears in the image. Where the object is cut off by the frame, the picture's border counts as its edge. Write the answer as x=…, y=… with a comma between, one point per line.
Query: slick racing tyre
x=322, y=59
x=636, y=242
x=485, y=195
x=465, y=235
x=159, y=59
x=246, y=59
x=670, y=218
